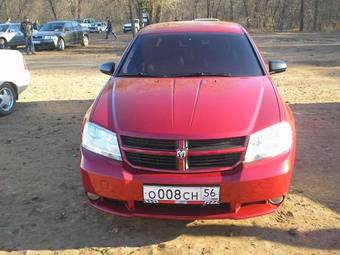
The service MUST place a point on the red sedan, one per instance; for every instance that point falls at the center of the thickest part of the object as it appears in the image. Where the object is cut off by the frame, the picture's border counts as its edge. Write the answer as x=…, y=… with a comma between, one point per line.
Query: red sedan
x=189, y=126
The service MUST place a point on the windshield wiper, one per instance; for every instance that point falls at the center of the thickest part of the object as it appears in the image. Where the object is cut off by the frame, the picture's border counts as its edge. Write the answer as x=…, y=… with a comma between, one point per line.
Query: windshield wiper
x=204, y=74
x=139, y=74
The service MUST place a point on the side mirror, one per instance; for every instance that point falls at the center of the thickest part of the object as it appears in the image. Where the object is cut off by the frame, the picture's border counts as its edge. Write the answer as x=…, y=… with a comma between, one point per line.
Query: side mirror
x=107, y=68
x=277, y=66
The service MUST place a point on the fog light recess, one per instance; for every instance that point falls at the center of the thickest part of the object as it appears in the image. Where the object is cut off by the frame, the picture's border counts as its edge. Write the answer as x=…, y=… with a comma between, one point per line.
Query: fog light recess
x=276, y=200
x=92, y=196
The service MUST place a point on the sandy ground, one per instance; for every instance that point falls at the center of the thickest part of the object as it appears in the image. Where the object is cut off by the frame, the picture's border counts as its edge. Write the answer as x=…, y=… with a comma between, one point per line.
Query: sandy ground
x=42, y=206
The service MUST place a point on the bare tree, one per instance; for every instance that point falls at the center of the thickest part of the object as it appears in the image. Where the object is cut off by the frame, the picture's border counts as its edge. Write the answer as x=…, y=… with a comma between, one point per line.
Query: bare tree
x=302, y=15
x=232, y=10
x=208, y=8
x=53, y=8
x=246, y=11
x=132, y=18
x=316, y=15
x=264, y=15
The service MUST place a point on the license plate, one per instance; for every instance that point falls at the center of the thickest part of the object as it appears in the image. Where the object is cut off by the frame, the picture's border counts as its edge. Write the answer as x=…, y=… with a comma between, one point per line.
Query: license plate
x=181, y=195
x=36, y=42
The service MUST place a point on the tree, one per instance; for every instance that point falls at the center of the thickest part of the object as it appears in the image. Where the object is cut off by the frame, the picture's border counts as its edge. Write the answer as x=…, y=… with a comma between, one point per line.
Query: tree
x=316, y=15
x=232, y=10
x=53, y=8
x=246, y=11
x=132, y=18
x=302, y=15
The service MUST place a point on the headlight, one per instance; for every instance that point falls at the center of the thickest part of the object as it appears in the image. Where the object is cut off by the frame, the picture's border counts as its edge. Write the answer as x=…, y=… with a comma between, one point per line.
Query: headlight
x=269, y=142
x=101, y=141
x=50, y=37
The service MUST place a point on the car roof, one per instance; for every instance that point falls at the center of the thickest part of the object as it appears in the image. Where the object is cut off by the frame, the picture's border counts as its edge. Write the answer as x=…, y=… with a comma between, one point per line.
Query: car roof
x=4, y=24
x=61, y=21
x=194, y=26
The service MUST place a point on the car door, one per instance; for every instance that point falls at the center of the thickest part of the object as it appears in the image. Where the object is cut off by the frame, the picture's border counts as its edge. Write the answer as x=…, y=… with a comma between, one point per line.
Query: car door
x=18, y=38
x=78, y=31
x=70, y=35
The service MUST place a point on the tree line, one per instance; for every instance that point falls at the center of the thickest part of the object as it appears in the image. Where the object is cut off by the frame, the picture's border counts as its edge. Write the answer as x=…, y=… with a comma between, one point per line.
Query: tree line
x=257, y=15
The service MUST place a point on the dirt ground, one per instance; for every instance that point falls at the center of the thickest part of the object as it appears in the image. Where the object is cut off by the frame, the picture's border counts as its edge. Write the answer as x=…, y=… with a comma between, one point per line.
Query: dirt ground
x=42, y=206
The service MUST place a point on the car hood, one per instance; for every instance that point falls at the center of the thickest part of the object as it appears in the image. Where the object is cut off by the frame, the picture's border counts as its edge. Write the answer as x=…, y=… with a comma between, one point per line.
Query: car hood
x=44, y=33
x=187, y=107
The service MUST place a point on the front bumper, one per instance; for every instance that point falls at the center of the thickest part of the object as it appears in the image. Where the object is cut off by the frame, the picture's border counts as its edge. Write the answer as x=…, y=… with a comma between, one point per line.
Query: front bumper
x=45, y=44
x=244, y=191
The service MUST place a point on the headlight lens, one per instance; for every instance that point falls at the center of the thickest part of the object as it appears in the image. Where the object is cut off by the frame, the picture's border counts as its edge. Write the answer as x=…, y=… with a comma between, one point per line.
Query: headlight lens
x=101, y=141
x=269, y=142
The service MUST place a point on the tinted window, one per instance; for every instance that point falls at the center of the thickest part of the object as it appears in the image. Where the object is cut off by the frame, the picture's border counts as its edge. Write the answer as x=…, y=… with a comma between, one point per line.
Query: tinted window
x=3, y=28
x=188, y=54
x=68, y=27
x=76, y=26
x=58, y=27
x=16, y=27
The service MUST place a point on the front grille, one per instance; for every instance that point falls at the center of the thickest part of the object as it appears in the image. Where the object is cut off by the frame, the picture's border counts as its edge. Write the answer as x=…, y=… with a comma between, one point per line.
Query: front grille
x=202, y=155
x=213, y=144
x=151, y=144
x=152, y=161
x=210, y=161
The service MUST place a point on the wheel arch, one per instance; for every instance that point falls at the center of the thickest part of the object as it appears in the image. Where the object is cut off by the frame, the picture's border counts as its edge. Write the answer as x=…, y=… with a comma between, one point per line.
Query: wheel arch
x=14, y=87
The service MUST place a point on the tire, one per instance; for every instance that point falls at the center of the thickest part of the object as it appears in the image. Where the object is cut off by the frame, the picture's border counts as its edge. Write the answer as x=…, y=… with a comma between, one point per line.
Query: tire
x=85, y=41
x=61, y=44
x=7, y=99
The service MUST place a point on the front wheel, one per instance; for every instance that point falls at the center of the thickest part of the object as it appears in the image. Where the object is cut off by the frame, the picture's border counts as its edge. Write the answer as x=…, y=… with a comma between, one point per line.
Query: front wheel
x=7, y=100
x=61, y=44
x=85, y=41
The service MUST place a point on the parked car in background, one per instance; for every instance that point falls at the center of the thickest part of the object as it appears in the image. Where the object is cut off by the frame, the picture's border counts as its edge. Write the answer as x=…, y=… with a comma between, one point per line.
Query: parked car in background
x=60, y=34
x=189, y=126
x=97, y=27
x=14, y=79
x=11, y=35
x=86, y=23
x=127, y=27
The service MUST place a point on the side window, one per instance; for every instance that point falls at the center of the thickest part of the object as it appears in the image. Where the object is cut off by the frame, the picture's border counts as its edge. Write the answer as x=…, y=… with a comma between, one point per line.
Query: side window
x=69, y=27
x=76, y=25
x=15, y=28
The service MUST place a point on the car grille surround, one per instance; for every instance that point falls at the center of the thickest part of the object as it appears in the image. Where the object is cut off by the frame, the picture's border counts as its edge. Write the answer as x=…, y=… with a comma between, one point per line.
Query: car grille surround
x=195, y=155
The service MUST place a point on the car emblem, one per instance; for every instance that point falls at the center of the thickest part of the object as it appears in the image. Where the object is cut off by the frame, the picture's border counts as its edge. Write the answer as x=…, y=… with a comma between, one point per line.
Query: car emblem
x=181, y=153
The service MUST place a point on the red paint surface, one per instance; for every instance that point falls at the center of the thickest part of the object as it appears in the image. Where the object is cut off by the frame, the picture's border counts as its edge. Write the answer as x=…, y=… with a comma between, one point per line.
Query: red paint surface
x=189, y=108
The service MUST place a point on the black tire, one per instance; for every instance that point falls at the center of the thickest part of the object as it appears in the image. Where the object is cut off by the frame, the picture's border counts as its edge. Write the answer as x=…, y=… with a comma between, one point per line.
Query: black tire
x=85, y=41
x=61, y=44
x=7, y=95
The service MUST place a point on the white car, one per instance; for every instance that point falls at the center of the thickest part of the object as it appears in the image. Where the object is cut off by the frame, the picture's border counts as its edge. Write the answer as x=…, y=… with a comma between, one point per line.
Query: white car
x=127, y=27
x=11, y=35
x=14, y=79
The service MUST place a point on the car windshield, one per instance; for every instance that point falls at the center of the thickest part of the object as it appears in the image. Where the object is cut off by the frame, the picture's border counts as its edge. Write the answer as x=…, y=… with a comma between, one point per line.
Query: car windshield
x=53, y=27
x=191, y=54
x=3, y=28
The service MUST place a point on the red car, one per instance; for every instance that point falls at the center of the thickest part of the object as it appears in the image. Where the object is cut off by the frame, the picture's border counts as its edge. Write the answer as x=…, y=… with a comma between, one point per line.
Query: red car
x=189, y=126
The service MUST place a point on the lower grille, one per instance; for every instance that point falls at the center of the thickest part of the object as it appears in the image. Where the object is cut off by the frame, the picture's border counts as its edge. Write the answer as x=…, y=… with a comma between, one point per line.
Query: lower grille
x=152, y=161
x=211, y=161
